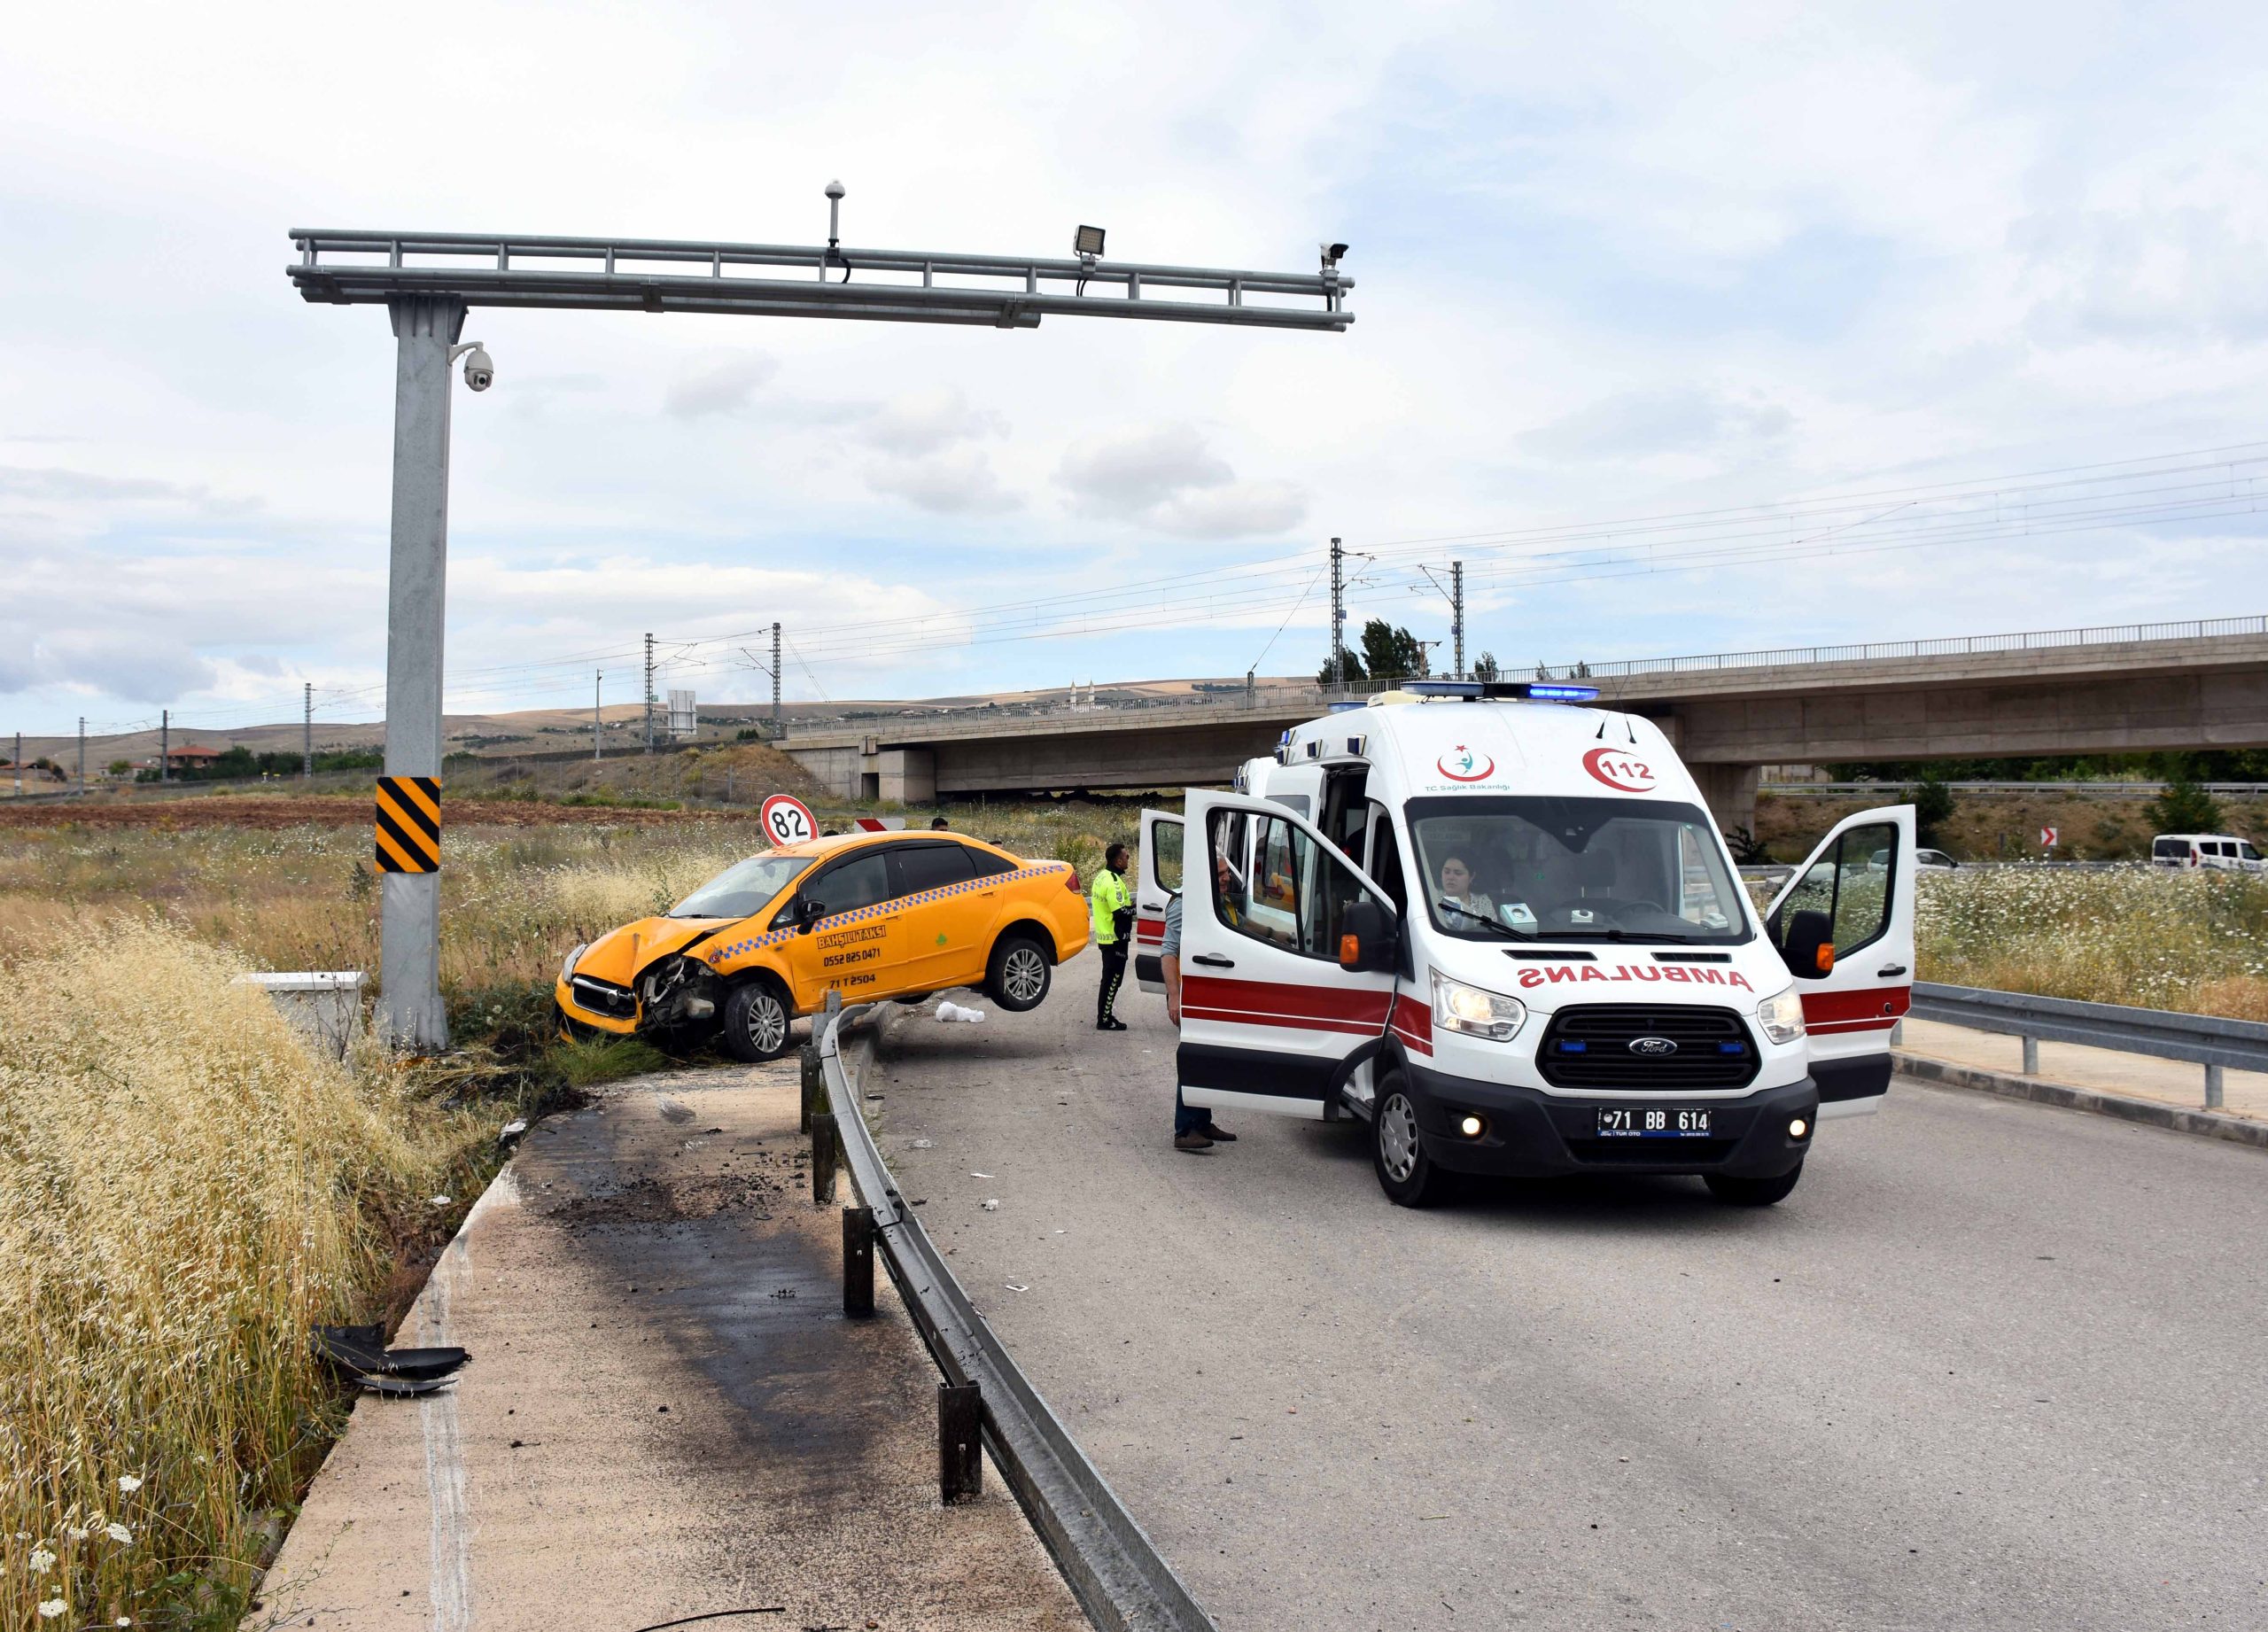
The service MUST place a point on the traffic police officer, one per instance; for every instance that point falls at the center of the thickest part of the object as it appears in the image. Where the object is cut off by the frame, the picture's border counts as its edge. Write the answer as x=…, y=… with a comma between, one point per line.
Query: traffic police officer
x=1112, y=906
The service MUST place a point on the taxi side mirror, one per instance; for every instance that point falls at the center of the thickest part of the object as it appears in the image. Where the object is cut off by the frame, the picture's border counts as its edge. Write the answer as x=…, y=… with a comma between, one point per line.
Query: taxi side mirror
x=1369, y=938
x=1809, y=946
x=807, y=913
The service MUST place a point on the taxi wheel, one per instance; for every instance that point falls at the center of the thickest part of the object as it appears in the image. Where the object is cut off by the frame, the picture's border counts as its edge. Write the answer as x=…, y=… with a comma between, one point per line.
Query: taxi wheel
x=1406, y=1173
x=1020, y=974
x=755, y=1022
x=1753, y=1192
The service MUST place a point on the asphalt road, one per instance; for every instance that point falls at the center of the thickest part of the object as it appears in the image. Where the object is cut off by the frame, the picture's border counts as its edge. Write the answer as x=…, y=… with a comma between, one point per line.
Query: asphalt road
x=1992, y=1365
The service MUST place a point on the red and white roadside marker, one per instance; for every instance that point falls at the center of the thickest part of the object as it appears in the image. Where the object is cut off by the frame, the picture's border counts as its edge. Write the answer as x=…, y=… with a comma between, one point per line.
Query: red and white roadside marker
x=2048, y=837
x=879, y=824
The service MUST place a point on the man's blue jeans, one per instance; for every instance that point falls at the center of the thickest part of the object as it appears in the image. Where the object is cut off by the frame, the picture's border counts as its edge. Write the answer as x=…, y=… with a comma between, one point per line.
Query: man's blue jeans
x=1186, y=1120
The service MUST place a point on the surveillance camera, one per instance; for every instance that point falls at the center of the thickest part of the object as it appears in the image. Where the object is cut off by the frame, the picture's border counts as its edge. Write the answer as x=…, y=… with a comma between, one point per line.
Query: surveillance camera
x=479, y=369
x=1332, y=252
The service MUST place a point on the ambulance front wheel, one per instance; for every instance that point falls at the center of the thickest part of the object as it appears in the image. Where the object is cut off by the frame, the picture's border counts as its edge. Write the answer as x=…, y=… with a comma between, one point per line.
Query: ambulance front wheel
x=1406, y=1173
x=1753, y=1192
x=756, y=1022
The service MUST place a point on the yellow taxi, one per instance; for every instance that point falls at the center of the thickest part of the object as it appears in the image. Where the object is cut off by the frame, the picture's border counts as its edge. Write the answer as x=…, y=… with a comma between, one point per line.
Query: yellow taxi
x=868, y=914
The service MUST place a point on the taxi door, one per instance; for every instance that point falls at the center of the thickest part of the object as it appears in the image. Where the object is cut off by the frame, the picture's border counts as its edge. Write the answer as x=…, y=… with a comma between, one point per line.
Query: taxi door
x=856, y=947
x=1269, y=1018
x=1157, y=878
x=1862, y=877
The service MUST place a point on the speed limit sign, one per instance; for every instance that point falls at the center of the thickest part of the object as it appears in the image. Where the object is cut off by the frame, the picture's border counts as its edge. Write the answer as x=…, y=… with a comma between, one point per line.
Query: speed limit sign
x=786, y=821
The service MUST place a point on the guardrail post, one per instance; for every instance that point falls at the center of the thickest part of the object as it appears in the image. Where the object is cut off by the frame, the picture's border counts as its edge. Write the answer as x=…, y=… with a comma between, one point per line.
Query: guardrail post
x=823, y=1154
x=814, y=1087
x=858, y=1260
x=2212, y=1087
x=961, y=1454
x=2032, y=1056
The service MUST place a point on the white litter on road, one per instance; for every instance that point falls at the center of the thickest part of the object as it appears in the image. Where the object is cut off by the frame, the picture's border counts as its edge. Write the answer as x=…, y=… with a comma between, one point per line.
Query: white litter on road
x=950, y=1010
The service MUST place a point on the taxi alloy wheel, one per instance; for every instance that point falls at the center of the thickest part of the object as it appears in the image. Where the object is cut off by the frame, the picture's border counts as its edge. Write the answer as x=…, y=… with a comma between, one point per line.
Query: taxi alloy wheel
x=1406, y=1173
x=1021, y=974
x=756, y=1022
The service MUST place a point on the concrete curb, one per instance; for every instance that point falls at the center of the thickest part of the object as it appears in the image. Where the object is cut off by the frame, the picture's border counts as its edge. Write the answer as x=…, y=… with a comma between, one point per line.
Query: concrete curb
x=2152, y=1112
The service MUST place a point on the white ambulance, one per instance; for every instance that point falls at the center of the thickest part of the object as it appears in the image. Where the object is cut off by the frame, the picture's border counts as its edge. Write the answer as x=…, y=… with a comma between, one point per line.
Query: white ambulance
x=1506, y=933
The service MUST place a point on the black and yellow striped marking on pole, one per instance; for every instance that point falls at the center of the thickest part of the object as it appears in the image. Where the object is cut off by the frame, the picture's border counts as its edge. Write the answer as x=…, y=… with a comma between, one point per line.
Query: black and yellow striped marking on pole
x=410, y=824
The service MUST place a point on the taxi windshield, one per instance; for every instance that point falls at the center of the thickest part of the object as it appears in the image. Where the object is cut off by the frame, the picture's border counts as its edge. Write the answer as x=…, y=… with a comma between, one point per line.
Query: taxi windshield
x=742, y=889
x=1576, y=869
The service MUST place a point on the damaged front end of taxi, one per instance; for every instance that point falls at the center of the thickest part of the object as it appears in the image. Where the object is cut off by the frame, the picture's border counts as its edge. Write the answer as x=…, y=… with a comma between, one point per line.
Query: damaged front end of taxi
x=644, y=979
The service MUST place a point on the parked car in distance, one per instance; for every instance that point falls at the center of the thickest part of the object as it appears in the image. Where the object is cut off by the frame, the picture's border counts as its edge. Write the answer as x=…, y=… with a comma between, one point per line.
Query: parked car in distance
x=1924, y=861
x=871, y=916
x=2207, y=850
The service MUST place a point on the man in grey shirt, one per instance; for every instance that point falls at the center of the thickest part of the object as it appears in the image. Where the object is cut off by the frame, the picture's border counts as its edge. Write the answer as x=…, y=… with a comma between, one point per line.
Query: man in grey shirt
x=1192, y=1130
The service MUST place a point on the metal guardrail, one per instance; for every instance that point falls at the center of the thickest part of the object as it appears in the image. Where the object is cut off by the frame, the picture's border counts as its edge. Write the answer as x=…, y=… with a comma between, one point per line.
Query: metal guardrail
x=1962, y=645
x=1112, y=1568
x=2208, y=1040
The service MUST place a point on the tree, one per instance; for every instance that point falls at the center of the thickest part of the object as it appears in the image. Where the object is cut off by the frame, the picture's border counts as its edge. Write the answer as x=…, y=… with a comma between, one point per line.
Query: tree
x=1932, y=809
x=1748, y=850
x=1391, y=653
x=1350, y=670
x=2184, y=807
x=1484, y=667
x=120, y=768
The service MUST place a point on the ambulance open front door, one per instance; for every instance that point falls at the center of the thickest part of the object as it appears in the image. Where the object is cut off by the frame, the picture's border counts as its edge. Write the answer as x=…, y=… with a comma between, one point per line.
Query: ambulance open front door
x=1861, y=877
x=1269, y=1019
x=1157, y=878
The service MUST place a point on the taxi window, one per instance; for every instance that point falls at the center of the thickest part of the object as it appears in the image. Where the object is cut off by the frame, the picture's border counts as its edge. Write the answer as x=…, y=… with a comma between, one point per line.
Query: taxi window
x=861, y=880
x=931, y=866
x=987, y=864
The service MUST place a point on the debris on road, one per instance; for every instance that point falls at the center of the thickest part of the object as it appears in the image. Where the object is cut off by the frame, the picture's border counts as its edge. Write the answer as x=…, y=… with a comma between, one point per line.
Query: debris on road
x=950, y=1011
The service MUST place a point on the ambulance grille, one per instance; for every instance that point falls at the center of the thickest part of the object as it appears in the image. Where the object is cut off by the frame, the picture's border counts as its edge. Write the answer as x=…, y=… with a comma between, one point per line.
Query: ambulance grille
x=1588, y=1047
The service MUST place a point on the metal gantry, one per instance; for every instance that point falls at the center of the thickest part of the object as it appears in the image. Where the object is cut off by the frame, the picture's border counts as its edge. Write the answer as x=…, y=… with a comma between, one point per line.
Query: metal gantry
x=428, y=281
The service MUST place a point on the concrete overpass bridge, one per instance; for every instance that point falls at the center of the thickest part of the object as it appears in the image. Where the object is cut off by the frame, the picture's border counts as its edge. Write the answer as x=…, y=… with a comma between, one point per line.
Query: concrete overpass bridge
x=2137, y=689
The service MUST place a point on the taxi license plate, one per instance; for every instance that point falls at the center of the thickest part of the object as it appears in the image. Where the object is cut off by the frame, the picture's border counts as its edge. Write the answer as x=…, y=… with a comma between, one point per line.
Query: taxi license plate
x=1652, y=1121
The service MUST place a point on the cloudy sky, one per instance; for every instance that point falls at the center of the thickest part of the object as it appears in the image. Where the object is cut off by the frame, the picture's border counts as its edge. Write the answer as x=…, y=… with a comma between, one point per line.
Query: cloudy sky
x=1688, y=329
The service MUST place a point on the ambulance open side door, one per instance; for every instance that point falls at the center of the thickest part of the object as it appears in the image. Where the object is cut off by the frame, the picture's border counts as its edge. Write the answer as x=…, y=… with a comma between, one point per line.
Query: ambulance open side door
x=1157, y=878
x=1270, y=1017
x=1861, y=878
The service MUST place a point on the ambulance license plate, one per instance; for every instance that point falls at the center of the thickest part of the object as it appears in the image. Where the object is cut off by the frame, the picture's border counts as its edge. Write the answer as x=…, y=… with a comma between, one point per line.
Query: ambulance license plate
x=1652, y=1121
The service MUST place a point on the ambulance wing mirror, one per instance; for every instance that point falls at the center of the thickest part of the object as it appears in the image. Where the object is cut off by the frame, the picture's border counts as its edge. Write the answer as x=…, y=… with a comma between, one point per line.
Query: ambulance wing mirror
x=1370, y=939
x=1809, y=946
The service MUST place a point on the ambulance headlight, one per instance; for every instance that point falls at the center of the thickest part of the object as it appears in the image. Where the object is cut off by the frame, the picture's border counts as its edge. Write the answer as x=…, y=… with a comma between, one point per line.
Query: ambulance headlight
x=567, y=969
x=1782, y=1016
x=1475, y=1013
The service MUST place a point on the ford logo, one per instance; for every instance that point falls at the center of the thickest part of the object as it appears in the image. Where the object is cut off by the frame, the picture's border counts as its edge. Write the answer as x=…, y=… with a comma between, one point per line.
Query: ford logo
x=1655, y=1045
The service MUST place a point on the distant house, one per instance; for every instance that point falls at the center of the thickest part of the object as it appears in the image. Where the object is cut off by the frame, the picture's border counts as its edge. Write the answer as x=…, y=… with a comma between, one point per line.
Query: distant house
x=188, y=756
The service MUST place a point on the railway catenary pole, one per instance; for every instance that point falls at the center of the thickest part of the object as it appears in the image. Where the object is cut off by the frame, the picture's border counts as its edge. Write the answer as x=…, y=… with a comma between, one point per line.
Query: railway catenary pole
x=1456, y=618
x=307, y=730
x=164, y=745
x=775, y=680
x=82, y=756
x=428, y=281
x=649, y=694
x=1338, y=612
x=598, y=678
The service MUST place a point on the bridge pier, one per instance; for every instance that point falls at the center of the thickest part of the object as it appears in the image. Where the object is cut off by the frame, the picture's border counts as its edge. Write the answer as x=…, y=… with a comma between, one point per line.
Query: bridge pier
x=1729, y=791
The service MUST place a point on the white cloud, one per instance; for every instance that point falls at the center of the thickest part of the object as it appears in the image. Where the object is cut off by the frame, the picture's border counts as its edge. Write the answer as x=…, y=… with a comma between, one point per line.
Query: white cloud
x=922, y=421
x=719, y=387
x=1169, y=476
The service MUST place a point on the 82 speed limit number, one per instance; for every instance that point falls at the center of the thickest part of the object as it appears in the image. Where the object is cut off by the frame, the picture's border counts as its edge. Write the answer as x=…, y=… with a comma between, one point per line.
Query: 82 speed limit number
x=786, y=821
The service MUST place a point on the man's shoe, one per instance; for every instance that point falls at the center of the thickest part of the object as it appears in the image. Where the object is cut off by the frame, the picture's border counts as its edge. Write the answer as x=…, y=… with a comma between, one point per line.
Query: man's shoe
x=1111, y=1023
x=1218, y=1134
x=1192, y=1141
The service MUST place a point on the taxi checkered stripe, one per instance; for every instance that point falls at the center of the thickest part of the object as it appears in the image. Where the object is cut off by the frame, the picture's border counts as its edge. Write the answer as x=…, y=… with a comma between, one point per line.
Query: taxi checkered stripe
x=844, y=921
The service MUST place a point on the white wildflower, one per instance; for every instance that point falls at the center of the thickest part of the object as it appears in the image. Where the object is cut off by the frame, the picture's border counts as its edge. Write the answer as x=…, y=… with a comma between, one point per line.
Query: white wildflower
x=118, y=1532
x=123, y=1620
x=51, y=1609
x=43, y=1561
x=129, y=1483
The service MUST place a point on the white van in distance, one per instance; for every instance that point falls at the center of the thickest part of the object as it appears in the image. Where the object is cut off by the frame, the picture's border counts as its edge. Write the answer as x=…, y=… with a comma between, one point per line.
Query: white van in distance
x=1507, y=934
x=2207, y=850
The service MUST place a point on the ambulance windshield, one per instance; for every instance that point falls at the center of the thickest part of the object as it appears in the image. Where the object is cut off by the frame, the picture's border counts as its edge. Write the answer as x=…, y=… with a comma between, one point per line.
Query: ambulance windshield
x=742, y=889
x=1574, y=869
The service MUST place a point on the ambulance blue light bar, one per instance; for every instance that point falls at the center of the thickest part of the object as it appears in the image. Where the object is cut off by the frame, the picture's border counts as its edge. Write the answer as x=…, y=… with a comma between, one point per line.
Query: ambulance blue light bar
x=1475, y=691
